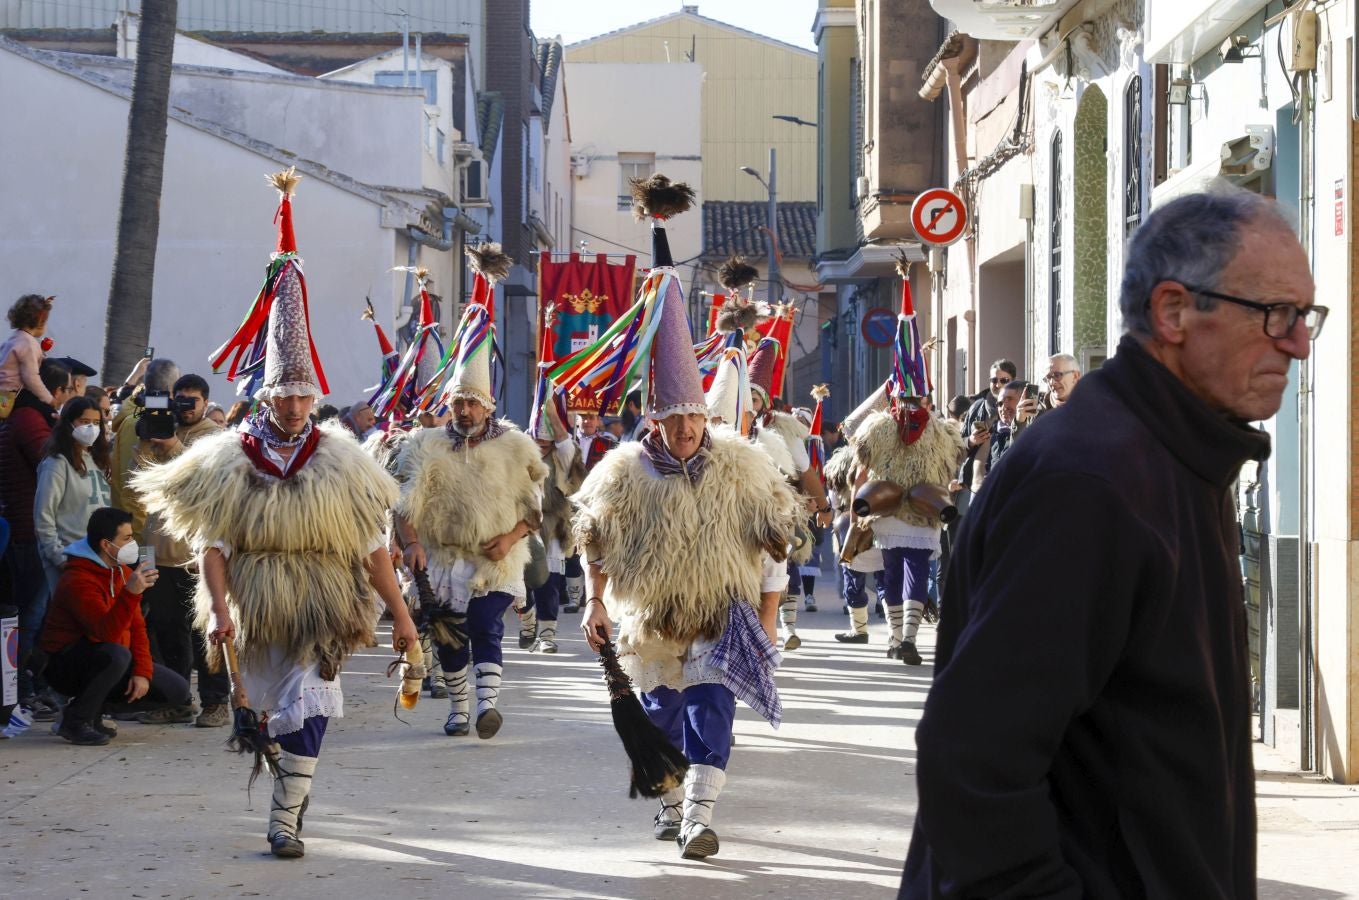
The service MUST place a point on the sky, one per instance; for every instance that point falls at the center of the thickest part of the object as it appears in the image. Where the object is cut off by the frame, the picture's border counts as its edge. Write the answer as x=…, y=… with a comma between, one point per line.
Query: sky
x=576, y=20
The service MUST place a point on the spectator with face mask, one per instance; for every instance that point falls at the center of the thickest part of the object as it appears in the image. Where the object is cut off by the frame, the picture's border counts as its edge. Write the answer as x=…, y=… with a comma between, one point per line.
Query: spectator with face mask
x=95, y=637
x=23, y=443
x=72, y=482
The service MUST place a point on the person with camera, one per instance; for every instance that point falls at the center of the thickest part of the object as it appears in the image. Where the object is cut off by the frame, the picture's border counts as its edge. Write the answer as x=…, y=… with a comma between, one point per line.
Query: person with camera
x=23, y=443
x=72, y=482
x=150, y=377
x=1063, y=373
x=165, y=434
x=95, y=638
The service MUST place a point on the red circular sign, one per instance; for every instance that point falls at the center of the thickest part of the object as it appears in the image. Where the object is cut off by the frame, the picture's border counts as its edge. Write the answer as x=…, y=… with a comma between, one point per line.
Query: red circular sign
x=938, y=216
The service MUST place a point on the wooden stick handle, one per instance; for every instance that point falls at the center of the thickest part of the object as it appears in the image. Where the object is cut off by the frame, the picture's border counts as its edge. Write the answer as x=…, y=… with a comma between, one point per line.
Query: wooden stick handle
x=239, y=700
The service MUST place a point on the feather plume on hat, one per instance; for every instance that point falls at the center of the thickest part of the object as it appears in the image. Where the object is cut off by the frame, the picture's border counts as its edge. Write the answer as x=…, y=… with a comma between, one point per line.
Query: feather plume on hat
x=658, y=197
x=736, y=273
x=490, y=259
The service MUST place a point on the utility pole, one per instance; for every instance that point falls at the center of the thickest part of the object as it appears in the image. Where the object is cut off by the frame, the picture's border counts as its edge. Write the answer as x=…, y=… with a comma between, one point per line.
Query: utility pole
x=775, y=280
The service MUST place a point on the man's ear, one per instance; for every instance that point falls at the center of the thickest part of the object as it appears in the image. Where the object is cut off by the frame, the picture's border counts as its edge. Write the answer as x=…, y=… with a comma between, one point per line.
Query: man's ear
x=1166, y=306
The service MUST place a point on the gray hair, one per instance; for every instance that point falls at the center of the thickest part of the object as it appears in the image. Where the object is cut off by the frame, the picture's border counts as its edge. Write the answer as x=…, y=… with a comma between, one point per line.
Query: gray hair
x=161, y=375
x=1065, y=359
x=1192, y=240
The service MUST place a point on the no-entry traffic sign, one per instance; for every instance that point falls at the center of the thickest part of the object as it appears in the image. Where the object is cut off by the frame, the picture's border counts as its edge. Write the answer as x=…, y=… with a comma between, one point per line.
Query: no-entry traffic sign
x=938, y=216
x=879, y=326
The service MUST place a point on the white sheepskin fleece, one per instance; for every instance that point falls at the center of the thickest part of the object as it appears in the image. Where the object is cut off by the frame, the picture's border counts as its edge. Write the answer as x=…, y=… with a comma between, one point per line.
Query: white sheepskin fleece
x=295, y=576
x=677, y=554
x=933, y=459
x=458, y=500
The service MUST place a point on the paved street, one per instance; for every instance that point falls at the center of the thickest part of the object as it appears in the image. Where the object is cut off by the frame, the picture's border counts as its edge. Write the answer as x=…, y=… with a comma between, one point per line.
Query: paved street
x=820, y=808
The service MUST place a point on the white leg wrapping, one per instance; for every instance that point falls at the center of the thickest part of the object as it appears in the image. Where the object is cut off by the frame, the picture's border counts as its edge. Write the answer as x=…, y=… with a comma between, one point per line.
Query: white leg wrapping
x=672, y=805
x=788, y=613
x=457, y=696
x=858, y=617
x=702, y=784
x=895, y=615
x=915, y=611
x=547, y=630
x=528, y=619
x=291, y=788
x=488, y=686
x=575, y=590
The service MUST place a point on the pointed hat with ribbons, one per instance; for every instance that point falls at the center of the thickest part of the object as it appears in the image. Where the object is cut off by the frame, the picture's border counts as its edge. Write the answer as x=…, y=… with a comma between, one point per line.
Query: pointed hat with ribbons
x=273, y=347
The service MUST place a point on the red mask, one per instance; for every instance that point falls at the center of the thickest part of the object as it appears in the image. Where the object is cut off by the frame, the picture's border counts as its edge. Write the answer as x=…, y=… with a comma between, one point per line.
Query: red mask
x=911, y=422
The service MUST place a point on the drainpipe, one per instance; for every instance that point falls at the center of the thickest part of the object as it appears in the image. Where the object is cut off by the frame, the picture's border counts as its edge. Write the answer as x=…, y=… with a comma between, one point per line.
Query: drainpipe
x=1306, y=599
x=955, y=104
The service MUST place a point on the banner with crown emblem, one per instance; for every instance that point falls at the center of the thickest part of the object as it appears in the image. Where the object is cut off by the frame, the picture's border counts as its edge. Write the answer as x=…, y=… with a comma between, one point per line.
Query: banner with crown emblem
x=584, y=299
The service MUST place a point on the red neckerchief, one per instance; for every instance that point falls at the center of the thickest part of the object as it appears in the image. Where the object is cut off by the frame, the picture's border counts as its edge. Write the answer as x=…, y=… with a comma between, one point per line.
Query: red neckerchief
x=254, y=449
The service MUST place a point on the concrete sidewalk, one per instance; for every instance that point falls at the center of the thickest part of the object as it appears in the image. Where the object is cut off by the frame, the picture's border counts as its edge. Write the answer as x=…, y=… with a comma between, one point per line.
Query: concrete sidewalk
x=820, y=808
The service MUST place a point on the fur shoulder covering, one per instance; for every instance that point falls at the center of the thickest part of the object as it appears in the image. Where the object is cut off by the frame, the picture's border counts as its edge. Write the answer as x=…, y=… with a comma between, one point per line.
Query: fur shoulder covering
x=776, y=447
x=457, y=500
x=295, y=577
x=212, y=493
x=788, y=427
x=933, y=459
x=839, y=470
x=677, y=553
x=562, y=482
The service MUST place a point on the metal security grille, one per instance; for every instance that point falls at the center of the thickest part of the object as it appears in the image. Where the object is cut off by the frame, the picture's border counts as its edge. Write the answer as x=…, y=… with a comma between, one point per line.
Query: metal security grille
x=1132, y=156
x=1055, y=235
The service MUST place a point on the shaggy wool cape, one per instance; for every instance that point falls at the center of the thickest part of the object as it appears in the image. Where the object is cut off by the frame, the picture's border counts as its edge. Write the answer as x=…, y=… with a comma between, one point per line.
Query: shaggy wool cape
x=457, y=500
x=677, y=554
x=296, y=577
x=562, y=482
x=933, y=459
x=839, y=471
x=787, y=429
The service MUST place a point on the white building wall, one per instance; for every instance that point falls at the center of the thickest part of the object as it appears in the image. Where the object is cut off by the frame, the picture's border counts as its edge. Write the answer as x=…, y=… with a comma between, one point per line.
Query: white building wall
x=635, y=108
x=558, y=182
x=216, y=232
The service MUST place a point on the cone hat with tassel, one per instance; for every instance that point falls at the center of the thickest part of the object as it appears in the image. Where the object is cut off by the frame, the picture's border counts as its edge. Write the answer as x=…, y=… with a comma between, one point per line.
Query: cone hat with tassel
x=274, y=346
x=650, y=348
x=816, y=447
x=910, y=376
x=466, y=369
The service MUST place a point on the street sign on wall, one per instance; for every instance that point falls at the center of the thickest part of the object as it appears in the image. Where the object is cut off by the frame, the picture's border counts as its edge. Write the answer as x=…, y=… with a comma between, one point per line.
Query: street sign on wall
x=939, y=217
x=879, y=326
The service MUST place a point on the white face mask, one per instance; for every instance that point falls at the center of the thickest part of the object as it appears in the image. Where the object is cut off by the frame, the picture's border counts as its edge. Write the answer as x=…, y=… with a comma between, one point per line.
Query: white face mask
x=127, y=554
x=86, y=434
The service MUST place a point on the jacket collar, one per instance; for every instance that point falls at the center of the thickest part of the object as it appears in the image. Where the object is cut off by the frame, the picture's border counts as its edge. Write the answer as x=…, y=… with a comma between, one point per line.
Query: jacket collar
x=1209, y=444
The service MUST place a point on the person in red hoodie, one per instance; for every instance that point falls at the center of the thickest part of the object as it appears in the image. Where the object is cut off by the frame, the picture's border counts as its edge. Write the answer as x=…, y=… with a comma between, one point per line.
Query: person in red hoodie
x=95, y=637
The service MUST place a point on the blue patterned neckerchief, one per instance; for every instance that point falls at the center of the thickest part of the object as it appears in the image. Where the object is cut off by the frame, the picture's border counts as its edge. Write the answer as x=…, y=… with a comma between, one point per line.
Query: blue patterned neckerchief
x=664, y=462
x=494, y=429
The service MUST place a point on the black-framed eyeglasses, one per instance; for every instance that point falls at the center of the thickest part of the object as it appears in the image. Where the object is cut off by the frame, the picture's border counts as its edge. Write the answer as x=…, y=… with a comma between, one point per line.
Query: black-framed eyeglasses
x=1280, y=318
x=1055, y=377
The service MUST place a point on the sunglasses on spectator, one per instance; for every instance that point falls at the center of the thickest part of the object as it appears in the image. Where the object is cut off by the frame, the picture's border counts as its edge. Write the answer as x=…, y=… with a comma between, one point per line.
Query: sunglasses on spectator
x=1001, y=380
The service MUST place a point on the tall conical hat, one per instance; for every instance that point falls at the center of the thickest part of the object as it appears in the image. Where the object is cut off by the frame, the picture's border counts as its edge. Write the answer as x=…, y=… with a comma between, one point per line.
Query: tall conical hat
x=816, y=448
x=650, y=346
x=763, y=363
x=274, y=344
x=390, y=359
x=468, y=361
x=729, y=397
x=910, y=376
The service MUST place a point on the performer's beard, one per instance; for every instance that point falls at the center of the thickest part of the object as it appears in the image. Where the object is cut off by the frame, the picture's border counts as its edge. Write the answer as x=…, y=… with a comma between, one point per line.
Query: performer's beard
x=467, y=431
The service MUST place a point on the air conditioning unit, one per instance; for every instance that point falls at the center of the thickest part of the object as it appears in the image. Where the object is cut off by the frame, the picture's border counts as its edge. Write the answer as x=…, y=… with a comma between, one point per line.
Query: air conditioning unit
x=476, y=183
x=580, y=166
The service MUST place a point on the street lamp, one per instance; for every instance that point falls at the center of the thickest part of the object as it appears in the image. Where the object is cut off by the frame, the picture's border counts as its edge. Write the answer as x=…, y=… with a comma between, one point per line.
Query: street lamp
x=774, y=278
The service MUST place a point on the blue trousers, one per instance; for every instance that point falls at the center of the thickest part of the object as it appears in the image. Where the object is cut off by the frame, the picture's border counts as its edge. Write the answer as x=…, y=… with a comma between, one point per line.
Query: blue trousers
x=853, y=586
x=31, y=591
x=697, y=720
x=906, y=571
x=547, y=599
x=306, y=741
x=485, y=628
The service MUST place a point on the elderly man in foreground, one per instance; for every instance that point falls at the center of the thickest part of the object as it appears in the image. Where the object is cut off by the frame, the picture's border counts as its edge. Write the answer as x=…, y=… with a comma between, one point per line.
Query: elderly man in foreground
x=1112, y=756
